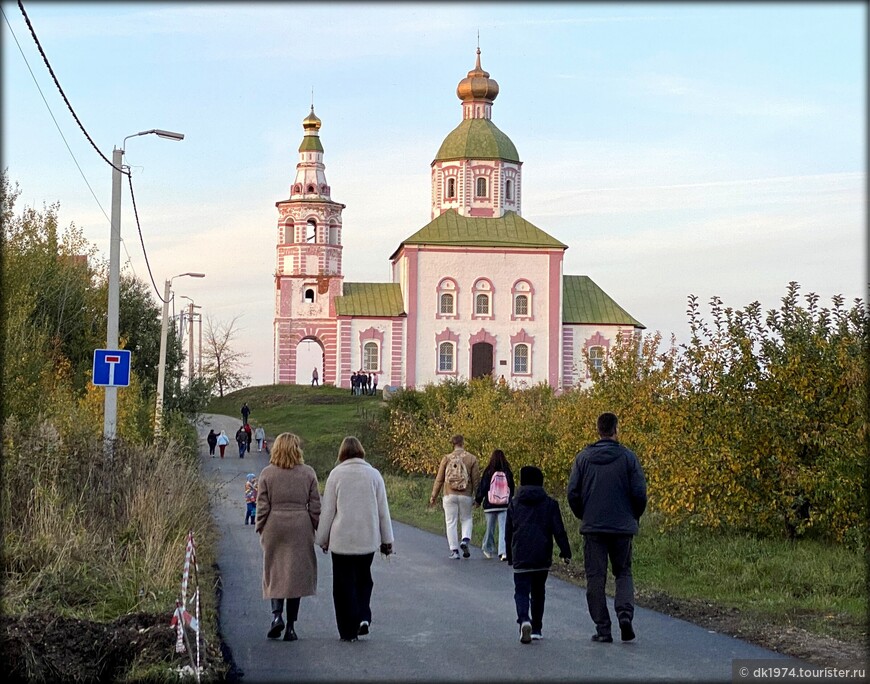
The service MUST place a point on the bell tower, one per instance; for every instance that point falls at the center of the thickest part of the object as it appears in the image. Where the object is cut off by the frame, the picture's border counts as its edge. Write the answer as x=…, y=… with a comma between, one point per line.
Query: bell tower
x=308, y=273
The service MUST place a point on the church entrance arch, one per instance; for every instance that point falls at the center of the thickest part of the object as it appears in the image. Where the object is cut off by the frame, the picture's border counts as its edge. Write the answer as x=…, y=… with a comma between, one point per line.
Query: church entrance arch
x=309, y=355
x=481, y=360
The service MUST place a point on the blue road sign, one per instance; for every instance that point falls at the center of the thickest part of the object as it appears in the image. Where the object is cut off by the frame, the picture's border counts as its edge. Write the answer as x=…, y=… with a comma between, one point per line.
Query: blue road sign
x=112, y=367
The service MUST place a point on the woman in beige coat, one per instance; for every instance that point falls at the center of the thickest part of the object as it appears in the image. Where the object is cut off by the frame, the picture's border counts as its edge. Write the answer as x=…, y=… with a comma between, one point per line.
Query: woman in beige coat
x=288, y=510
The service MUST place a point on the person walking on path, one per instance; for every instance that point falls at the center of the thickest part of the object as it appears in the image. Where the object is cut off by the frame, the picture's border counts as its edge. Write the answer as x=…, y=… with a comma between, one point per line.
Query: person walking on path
x=607, y=491
x=494, y=493
x=458, y=477
x=248, y=436
x=315, y=378
x=245, y=413
x=222, y=442
x=251, y=498
x=533, y=521
x=242, y=441
x=288, y=512
x=355, y=522
x=211, y=440
x=259, y=435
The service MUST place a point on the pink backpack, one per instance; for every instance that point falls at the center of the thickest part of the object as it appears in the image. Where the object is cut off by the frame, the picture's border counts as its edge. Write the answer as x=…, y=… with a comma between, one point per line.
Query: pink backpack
x=499, y=492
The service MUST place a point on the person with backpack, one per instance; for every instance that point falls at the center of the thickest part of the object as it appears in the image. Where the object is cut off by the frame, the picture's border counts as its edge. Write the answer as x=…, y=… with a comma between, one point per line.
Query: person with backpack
x=494, y=493
x=457, y=480
x=534, y=519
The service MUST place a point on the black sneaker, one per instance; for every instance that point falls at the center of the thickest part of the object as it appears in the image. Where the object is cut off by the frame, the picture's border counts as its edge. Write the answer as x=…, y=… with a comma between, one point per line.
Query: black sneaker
x=526, y=633
x=363, y=628
x=276, y=628
x=602, y=638
x=290, y=635
x=626, y=630
x=464, y=546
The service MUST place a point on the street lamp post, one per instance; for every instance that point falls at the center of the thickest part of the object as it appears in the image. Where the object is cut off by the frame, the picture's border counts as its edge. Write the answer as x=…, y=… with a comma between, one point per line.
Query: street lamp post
x=161, y=370
x=191, y=316
x=110, y=404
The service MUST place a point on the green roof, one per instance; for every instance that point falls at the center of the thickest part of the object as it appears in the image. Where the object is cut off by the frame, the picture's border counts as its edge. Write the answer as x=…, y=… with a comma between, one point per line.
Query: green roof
x=584, y=302
x=311, y=143
x=477, y=139
x=370, y=299
x=511, y=230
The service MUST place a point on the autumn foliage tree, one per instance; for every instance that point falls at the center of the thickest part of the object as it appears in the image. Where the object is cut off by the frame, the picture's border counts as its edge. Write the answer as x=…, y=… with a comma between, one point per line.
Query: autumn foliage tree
x=758, y=423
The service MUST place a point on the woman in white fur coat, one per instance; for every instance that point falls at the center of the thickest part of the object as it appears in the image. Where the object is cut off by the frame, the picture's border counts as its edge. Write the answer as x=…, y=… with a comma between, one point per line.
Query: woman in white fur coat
x=354, y=523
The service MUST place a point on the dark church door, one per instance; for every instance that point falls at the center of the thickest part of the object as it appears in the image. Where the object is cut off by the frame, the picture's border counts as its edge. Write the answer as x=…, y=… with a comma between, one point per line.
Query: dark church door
x=481, y=360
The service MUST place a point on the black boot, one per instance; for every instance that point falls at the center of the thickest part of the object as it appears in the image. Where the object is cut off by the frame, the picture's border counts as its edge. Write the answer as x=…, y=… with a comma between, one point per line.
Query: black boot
x=277, y=619
x=290, y=634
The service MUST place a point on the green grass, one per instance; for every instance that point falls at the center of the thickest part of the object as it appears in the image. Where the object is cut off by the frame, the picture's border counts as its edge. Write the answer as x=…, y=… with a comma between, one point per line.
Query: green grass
x=321, y=416
x=817, y=586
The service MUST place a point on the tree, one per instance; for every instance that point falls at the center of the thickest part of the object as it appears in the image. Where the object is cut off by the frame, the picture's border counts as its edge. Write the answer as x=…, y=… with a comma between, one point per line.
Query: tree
x=222, y=365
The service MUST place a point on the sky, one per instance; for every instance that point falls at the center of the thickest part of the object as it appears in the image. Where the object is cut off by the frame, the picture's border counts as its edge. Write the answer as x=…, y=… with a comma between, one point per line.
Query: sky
x=707, y=149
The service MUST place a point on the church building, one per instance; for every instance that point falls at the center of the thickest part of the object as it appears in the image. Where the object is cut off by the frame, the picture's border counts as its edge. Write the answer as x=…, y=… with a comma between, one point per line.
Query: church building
x=477, y=291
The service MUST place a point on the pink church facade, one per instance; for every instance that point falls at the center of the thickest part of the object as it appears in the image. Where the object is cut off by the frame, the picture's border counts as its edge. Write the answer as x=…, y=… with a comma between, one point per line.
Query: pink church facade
x=478, y=291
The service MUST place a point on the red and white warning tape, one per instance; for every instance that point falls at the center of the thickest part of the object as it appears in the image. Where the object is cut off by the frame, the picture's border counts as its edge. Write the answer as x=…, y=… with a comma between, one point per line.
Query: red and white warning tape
x=181, y=618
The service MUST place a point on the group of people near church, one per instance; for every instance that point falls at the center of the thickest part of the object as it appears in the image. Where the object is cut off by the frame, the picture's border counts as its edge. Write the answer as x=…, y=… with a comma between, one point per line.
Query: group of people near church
x=606, y=491
x=363, y=383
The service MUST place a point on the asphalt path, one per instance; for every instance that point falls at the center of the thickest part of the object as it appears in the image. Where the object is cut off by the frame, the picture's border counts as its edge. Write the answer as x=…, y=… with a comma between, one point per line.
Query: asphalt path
x=435, y=619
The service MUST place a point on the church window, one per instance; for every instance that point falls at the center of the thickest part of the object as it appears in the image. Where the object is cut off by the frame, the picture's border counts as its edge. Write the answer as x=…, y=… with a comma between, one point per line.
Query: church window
x=297, y=188
x=521, y=305
x=309, y=295
x=481, y=187
x=596, y=359
x=481, y=304
x=521, y=359
x=446, y=306
x=333, y=235
x=446, y=354
x=310, y=188
x=522, y=292
x=289, y=233
x=371, y=356
x=311, y=233
x=451, y=188
x=509, y=190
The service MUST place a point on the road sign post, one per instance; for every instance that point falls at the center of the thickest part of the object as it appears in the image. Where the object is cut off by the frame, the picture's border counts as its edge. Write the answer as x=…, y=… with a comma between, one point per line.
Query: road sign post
x=111, y=367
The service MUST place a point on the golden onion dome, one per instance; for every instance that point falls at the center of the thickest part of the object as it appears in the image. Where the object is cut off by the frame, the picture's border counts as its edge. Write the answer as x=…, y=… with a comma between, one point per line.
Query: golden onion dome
x=311, y=121
x=477, y=85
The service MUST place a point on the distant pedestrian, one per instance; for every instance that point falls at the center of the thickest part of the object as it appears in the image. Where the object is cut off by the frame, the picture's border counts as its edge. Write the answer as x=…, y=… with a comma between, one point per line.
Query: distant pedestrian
x=288, y=511
x=242, y=441
x=355, y=523
x=251, y=498
x=494, y=493
x=457, y=479
x=374, y=383
x=212, y=442
x=533, y=521
x=222, y=442
x=315, y=377
x=353, y=383
x=607, y=491
x=248, y=436
x=260, y=436
x=245, y=412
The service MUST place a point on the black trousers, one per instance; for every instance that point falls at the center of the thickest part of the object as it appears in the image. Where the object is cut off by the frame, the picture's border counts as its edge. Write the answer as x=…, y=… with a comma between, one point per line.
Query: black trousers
x=292, y=608
x=351, y=592
x=530, y=584
x=597, y=549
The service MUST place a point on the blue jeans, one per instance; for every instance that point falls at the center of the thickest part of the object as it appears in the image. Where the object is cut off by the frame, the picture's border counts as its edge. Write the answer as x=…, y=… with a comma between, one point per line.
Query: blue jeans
x=529, y=595
x=243, y=446
x=488, y=544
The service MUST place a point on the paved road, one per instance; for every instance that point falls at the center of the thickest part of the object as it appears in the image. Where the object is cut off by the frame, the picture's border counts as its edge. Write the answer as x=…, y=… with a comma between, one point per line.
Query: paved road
x=435, y=619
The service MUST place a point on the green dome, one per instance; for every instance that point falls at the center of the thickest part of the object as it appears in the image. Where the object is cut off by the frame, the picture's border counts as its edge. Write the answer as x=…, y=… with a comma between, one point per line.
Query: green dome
x=477, y=139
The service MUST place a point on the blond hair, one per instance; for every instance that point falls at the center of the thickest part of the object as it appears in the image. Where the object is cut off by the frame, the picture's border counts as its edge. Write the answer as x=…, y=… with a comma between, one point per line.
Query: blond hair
x=286, y=451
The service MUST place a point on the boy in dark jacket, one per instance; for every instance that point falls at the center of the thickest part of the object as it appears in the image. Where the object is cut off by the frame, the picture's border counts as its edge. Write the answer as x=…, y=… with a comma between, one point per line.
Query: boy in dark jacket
x=533, y=521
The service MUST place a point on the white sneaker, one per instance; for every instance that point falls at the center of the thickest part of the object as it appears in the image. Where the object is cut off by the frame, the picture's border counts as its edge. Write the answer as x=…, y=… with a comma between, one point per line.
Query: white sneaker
x=526, y=633
x=454, y=555
x=537, y=636
x=486, y=554
x=503, y=557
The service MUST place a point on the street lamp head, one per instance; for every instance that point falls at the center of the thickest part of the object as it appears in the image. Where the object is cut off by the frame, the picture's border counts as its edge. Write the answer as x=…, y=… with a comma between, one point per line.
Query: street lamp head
x=169, y=135
x=192, y=275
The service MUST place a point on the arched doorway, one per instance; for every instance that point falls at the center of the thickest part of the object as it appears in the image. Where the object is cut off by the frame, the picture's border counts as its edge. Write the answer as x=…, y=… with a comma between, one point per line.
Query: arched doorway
x=481, y=360
x=309, y=355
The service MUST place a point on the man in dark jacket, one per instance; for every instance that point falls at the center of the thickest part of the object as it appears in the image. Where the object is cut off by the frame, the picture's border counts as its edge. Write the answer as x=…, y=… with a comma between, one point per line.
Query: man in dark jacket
x=533, y=520
x=607, y=491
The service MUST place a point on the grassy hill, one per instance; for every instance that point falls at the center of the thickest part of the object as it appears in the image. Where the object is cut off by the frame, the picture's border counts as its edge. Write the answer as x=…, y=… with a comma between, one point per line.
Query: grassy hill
x=321, y=416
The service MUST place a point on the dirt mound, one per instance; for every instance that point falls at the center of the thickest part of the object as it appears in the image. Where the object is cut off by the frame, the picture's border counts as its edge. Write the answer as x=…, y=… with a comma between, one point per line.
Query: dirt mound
x=49, y=648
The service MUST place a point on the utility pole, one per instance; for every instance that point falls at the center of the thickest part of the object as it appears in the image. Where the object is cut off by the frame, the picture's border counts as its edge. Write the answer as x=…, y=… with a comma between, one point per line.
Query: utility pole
x=190, y=343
